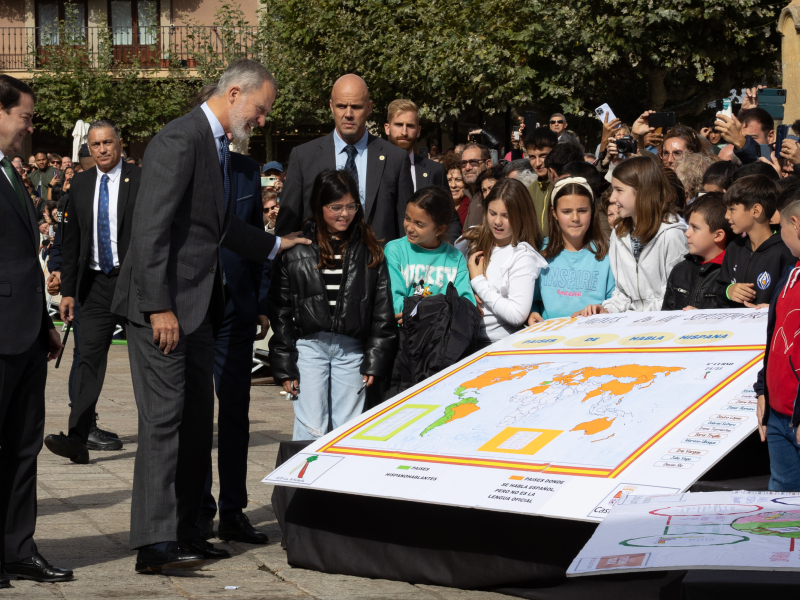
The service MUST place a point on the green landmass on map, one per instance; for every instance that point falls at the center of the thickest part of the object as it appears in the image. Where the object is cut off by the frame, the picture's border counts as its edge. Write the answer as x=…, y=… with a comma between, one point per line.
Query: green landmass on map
x=465, y=406
x=456, y=410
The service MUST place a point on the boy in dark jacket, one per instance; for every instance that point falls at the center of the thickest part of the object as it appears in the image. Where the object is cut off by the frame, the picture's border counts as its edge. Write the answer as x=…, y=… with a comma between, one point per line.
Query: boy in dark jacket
x=777, y=385
x=693, y=283
x=752, y=264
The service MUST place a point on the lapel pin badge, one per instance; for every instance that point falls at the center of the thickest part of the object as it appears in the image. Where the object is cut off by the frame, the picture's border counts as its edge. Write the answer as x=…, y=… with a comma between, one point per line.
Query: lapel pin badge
x=382, y=157
x=127, y=180
x=424, y=174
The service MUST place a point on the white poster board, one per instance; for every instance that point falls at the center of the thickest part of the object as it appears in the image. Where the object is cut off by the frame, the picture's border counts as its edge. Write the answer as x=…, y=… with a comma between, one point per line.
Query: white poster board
x=715, y=530
x=560, y=419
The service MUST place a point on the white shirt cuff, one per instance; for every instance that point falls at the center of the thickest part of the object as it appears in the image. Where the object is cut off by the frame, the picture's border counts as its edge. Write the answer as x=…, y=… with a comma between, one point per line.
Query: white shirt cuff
x=275, y=248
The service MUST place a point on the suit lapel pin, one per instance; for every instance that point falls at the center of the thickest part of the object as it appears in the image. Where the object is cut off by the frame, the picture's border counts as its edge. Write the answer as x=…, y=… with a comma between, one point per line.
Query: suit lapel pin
x=382, y=157
x=127, y=179
x=424, y=174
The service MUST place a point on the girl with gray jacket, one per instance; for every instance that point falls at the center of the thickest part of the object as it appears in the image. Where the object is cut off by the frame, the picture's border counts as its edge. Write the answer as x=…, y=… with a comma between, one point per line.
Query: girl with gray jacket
x=648, y=238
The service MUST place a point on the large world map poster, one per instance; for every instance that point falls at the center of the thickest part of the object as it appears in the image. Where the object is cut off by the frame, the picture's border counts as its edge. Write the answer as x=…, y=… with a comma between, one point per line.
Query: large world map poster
x=561, y=419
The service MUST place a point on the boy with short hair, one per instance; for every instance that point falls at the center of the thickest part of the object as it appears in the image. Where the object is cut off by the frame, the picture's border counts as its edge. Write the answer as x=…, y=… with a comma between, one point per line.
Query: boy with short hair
x=538, y=144
x=778, y=410
x=693, y=283
x=754, y=263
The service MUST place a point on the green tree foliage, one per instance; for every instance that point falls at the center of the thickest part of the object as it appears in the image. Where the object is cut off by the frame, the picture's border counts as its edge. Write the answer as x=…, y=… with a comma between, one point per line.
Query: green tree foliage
x=639, y=54
x=434, y=51
x=455, y=55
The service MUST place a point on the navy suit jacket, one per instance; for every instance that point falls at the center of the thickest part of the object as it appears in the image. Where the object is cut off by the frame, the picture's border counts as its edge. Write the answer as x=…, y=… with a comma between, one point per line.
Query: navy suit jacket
x=247, y=282
x=23, y=310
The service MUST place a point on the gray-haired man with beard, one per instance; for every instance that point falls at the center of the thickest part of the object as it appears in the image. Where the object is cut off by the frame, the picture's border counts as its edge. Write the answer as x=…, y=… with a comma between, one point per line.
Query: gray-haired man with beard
x=171, y=291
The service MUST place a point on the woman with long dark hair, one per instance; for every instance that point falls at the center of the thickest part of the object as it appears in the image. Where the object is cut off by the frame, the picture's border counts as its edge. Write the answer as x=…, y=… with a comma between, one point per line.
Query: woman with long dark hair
x=330, y=305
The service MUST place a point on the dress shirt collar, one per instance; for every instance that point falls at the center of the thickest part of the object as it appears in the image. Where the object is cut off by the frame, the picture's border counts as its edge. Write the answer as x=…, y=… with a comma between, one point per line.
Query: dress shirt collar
x=411, y=157
x=216, y=127
x=113, y=173
x=2, y=155
x=340, y=144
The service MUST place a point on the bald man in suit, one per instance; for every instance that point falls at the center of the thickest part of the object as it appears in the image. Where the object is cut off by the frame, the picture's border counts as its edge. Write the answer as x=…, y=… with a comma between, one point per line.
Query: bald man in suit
x=383, y=171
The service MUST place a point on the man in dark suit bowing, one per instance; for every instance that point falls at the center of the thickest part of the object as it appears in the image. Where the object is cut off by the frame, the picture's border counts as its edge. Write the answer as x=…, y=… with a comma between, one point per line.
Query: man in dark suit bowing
x=27, y=342
x=95, y=242
x=382, y=170
x=171, y=290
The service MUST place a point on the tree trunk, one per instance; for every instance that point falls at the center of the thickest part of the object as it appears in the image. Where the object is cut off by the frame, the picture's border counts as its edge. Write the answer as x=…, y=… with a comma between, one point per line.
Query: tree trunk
x=658, y=91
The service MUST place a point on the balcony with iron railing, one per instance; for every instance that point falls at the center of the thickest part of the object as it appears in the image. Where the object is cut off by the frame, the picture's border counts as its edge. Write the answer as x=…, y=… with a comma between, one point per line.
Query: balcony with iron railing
x=27, y=48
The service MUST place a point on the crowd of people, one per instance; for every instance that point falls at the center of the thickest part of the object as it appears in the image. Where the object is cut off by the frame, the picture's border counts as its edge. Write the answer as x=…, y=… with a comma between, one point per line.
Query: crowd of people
x=373, y=266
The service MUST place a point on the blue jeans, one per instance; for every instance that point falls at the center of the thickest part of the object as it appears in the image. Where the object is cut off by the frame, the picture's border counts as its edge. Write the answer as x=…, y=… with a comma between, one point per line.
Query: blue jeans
x=330, y=377
x=784, y=454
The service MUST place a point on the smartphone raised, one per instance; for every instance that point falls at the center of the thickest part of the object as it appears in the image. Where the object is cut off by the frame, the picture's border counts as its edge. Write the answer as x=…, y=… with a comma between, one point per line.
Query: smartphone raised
x=531, y=121
x=603, y=110
x=662, y=119
x=764, y=150
x=781, y=133
x=772, y=96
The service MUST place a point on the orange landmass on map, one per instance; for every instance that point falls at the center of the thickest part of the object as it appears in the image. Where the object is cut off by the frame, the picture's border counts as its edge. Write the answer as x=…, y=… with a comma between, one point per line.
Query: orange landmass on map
x=462, y=410
x=497, y=376
x=595, y=426
x=638, y=375
x=539, y=389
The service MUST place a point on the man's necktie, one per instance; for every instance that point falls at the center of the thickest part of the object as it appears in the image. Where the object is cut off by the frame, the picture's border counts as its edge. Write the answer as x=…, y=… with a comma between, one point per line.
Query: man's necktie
x=350, y=165
x=224, y=161
x=104, y=255
x=12, y=176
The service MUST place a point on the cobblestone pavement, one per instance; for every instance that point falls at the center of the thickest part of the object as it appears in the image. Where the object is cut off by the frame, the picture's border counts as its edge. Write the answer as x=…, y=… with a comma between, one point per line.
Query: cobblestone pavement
x=84, y=516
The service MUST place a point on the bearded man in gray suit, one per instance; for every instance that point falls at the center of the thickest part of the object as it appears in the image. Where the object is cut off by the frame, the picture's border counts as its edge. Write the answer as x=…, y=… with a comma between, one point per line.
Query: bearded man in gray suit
x=170, y=289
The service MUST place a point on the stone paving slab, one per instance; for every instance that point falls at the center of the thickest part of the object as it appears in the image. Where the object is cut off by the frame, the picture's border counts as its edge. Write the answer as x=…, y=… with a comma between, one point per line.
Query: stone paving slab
x=84, y=516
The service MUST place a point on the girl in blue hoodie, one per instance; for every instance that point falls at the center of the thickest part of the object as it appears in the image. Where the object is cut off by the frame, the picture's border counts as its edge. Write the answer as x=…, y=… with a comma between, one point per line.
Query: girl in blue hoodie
x=578, y=275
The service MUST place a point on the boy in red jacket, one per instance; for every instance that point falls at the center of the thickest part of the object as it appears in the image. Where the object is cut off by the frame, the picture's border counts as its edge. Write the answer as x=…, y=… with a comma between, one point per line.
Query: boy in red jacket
x=777, y=386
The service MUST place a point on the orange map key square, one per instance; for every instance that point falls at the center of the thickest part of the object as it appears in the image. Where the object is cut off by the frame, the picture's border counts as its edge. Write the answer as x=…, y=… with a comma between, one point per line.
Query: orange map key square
x=520, y=440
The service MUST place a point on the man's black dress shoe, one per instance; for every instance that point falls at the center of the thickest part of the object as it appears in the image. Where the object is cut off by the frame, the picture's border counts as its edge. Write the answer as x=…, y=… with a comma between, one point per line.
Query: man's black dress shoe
x=67, y=447
x=36, y=568
x=205, y=525
x=203, y=548
x=4, y=582
x=110, y=434
x=150, y=560
x=239, y=529
x=98, y=440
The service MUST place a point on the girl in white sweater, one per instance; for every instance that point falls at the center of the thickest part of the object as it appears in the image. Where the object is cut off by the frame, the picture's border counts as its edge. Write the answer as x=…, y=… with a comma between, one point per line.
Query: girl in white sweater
x=504, y=249
x=648, y=238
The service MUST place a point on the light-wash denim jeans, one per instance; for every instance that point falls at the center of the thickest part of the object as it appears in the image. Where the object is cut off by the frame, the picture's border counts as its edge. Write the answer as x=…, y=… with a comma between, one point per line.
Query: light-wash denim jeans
x=330, y=378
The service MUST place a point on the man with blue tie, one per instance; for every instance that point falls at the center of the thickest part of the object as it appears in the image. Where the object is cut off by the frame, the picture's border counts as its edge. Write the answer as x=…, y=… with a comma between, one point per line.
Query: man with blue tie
x=94, y=245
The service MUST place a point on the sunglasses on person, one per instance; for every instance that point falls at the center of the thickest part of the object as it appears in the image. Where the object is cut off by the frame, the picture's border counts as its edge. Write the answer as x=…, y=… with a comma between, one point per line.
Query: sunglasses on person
x=472, y=163
x=271, y=208
x=556, y=121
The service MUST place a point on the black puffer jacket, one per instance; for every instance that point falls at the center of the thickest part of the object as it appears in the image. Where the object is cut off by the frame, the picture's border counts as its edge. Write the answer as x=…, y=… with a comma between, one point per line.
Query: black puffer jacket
x=692, y=283
x=298, y=306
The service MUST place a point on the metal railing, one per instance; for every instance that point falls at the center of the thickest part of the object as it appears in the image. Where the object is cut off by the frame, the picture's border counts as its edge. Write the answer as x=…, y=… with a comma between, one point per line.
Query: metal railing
x=155, y=47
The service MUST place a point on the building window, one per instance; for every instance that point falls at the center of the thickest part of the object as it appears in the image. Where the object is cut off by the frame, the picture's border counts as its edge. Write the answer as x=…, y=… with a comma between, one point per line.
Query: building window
x=50, y=12
x=134, y=22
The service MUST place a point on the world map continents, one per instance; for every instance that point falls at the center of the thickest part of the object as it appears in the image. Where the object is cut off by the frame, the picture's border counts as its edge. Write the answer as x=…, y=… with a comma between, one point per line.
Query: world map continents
x=606, y=388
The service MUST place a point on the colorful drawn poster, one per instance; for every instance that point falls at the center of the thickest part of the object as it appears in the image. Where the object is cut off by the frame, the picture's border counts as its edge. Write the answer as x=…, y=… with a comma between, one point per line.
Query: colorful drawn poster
x=715, y=530
x=561, y=419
